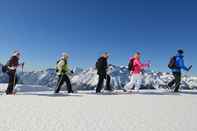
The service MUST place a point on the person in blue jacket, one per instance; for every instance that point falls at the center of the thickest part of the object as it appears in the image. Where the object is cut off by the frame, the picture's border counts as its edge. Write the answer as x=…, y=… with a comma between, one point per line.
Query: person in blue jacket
x=177, y=70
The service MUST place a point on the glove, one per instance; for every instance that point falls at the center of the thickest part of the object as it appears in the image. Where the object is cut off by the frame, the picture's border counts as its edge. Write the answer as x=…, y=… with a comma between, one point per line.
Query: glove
x=23, y=64
x=72, y=72
x=190, y=68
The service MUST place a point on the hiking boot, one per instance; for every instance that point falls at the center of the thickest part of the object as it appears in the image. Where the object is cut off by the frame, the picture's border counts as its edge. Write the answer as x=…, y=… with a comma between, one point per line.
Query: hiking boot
x=71, y=91
x=176, y=91
x=125, y=90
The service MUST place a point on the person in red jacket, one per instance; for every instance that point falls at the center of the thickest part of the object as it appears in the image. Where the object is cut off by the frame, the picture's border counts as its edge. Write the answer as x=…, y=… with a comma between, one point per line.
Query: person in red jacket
x=12, y=65
x=136, y=72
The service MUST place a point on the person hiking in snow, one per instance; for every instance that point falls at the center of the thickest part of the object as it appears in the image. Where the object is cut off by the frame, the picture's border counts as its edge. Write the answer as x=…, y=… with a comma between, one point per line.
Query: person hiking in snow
x=135, y=68
x=62, y=72
x=11, y=66
x=176, y=65
x=102, y=66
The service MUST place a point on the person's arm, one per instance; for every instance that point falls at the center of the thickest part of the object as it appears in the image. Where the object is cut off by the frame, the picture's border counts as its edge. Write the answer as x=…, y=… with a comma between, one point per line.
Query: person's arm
x=190, y=67
x=145, y=65
x=12, y=68
x=104, y=64
x=142, y=66
x=13, y=63
x=181, y=64
x=69, y=70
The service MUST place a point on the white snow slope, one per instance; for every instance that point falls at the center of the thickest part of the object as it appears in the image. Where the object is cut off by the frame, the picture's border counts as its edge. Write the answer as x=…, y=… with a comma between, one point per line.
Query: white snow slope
x=148, y=110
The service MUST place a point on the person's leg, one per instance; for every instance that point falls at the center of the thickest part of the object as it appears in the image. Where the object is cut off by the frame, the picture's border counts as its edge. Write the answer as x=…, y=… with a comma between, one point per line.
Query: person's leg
x=171, y=83
x=108, y=81
x=177, y=81
x=16, y=80
x=68, y=83
x=11, y=83
x=59, y=83
x=14, y=84
x=100, y=84
x=131, y=83
x=138, y=82
x=135, y=78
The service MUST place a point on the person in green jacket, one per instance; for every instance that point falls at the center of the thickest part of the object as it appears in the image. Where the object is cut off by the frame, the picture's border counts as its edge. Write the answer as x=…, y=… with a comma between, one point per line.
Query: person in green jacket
x=62, y=70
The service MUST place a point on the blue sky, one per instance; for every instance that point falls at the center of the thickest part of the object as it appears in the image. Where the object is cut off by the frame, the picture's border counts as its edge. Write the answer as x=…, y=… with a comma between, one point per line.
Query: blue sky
x=43, y=29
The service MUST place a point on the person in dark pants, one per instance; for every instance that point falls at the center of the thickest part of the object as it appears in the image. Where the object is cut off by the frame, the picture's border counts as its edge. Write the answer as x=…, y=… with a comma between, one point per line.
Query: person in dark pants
x=176, y=71
x=176, y=81
x=12, y=65
x=12, y=82
x=62, y=72
x=102, y=66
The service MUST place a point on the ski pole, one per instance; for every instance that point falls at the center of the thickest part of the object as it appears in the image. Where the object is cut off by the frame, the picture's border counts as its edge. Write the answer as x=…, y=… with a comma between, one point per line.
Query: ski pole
x=58, y=84
x=14, y=83
x=23, y=67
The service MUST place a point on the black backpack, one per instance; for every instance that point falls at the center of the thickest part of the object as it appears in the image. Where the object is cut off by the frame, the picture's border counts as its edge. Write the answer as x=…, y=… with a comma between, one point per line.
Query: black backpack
x=172, y=63
x=57, y=70
x=98, y=65
x=130, y=65
x=4, y=68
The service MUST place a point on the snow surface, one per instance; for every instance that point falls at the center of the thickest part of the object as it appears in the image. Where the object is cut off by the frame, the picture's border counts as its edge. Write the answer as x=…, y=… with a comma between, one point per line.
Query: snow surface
x=26, y=88
x=148, y=110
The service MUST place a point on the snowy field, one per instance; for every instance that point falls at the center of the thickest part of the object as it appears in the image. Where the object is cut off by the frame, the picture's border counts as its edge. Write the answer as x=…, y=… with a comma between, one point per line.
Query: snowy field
x=144, y=111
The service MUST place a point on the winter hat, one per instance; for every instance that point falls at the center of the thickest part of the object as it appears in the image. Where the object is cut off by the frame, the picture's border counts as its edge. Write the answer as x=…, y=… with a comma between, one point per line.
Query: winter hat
x=65, y=55
x=138, y=53
x=16, y=53
x=180, y=51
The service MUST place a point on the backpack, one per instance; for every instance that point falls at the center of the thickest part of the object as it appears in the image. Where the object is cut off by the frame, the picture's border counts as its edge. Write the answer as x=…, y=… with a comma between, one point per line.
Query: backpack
x=56, y=68
x=131, y=65
x=172, y=63
x=4, y=68
x=98, y=65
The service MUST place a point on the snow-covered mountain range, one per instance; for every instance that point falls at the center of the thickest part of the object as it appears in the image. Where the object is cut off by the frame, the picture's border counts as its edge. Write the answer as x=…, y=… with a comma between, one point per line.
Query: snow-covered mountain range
x=87, y=79
x=120, y=77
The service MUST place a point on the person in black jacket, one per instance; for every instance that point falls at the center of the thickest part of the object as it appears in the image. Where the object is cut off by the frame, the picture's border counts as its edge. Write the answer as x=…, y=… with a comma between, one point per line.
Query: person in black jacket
x=12, y=65
x=102, y=66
